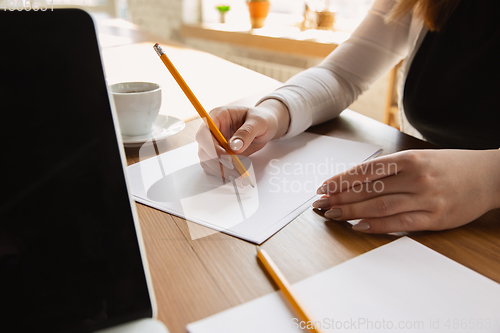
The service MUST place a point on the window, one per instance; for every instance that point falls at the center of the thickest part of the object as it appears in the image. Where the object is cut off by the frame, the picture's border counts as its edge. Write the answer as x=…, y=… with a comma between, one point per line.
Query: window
x=349, y=13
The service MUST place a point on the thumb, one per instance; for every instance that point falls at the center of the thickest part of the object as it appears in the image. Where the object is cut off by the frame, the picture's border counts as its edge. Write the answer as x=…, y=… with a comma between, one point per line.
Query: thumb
x=245, y=135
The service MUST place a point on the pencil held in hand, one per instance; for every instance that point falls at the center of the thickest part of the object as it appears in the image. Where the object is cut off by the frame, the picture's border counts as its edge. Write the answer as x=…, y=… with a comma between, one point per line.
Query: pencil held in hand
x=203, y=114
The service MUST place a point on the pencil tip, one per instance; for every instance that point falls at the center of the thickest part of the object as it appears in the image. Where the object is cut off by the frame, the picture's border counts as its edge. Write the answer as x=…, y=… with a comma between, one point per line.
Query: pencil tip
x=250, y=181
x=258, y=248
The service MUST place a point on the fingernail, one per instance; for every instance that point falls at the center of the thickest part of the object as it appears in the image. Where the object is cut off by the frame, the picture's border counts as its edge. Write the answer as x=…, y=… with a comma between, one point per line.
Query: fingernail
x=322, y=203
x=236, y=144
x=333, y=213
x=226, y=162
x=363, y=226
x=321, y=190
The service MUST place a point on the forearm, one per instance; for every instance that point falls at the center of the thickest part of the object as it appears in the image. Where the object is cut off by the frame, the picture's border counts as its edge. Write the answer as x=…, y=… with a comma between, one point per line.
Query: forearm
x=322, y=92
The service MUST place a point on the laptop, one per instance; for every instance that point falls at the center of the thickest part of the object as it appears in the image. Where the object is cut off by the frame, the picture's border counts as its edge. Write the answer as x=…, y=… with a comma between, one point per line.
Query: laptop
x=71, y=254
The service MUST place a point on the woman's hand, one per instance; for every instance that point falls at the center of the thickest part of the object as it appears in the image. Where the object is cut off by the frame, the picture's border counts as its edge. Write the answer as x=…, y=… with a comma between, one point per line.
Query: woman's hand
x=247, y=131
x=415, y=190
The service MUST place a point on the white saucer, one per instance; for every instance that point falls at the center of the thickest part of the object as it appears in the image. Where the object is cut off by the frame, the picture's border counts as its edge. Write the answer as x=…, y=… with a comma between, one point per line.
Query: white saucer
x=163, y=127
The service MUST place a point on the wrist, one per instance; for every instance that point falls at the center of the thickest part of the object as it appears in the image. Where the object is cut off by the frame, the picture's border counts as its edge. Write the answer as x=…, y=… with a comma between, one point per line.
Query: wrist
x=281, y=114
x=496, y=177
x=491, y=176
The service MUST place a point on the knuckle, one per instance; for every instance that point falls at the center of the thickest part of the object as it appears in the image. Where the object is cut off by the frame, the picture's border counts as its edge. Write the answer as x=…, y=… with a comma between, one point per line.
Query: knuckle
x=218, y=110
x=354, y=171
x=219, y=115
x=424, y=179
x=382, y=205
x=365, y=193
x=337, y=199
x=437, y=204
x=245, y=130
x=411, y=157
x=406, y=221
x=331, y=186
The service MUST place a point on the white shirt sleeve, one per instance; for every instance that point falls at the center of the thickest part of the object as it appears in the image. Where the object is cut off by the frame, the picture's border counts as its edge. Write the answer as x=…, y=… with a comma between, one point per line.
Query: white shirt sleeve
x=320, y=93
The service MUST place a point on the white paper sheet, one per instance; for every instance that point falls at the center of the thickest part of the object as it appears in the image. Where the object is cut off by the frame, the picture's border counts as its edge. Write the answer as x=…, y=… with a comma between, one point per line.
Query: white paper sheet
x=287, y=172
x=400, y=287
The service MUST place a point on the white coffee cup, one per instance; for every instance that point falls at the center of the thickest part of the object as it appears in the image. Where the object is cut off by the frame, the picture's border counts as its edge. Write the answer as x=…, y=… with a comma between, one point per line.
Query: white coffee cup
x=137, y=106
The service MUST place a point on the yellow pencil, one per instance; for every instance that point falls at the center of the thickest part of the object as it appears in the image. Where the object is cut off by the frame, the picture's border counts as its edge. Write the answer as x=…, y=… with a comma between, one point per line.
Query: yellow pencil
x=285, y=288
x=203, y=114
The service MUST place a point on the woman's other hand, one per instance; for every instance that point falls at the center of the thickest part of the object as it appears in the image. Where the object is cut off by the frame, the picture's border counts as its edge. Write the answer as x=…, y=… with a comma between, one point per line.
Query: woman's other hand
x=415, y=190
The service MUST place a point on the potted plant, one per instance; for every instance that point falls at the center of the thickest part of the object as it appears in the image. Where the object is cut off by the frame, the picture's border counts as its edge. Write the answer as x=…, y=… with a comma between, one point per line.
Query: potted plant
x=258, y=12
x=325, y=19
x=223, y=9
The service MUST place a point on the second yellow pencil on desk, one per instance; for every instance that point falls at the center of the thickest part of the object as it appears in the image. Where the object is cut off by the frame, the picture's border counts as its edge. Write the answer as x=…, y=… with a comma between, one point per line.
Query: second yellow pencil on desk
x=203, y=113
x=285, y=288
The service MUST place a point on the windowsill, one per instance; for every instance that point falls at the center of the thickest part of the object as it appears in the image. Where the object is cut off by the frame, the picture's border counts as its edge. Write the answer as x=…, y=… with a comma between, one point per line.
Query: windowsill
x=291, y=40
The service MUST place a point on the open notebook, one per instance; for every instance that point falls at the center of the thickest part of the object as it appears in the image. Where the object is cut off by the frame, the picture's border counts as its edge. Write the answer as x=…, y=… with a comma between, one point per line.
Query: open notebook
x=287, y=174
x=400, y=287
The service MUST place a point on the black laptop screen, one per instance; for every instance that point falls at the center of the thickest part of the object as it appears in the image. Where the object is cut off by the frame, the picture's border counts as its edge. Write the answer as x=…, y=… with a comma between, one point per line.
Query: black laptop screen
x=69, y=256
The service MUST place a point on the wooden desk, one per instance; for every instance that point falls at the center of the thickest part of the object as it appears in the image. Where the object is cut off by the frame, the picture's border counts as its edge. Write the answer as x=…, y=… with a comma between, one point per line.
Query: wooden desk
x=197, y=278
x=194, y=279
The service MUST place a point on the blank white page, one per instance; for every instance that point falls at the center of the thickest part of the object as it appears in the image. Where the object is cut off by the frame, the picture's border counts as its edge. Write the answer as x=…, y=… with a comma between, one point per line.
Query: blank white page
x=399, y=287
x=287, y=174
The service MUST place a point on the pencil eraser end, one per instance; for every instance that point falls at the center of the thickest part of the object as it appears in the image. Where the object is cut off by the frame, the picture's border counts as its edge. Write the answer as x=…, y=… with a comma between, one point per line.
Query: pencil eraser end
x=156, y=45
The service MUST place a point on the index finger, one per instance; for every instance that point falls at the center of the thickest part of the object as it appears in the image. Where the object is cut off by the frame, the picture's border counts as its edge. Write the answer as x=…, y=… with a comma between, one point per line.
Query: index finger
x=208, y=142
x=365, y=172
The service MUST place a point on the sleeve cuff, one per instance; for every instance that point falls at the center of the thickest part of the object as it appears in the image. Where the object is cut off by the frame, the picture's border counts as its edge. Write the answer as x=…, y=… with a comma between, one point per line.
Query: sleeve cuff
x=300, y=118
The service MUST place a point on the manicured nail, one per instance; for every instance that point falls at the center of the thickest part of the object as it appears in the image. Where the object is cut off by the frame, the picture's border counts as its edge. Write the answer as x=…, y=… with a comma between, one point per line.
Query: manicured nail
x=363, y=226
x=322, y=203
x=226, y=162
x=236, y=144
x=333, y=213
x=322, y=189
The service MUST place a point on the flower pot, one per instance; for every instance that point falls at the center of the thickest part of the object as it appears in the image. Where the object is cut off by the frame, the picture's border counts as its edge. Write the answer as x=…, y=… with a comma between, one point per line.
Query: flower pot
x=325, y=20
x=222, y=17
x=258, y=13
